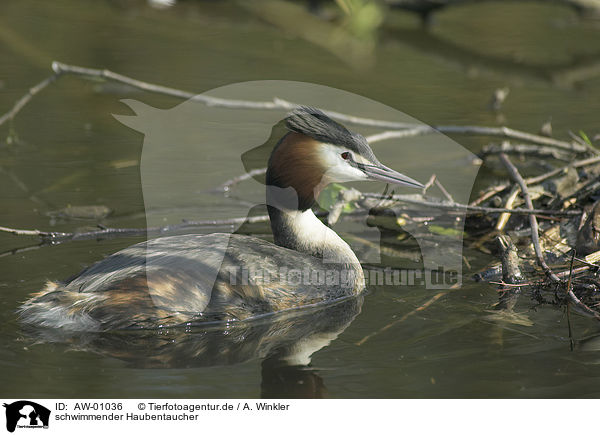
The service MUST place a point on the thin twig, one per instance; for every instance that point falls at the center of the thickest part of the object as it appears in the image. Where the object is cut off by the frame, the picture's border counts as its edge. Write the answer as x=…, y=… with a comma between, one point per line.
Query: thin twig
x=526, y=149
x=504, y=132
x=232, y=221
x=127, y=232
x=489, y=193
x=428, y=184
x=444, y=191
x=413, y=199
x=505, y=284
x=43, y=234
x=534, y=180
x=402, y=319
x=582, y=142
x=570, y=282
x=504, y=217
x=576, y=164
x=227, y=185
x=61, y=68
x=23, y=249
x=569, y=289
x=576, y=270
x=400, y=129
x=581, y=260
x=535, y=238
x=27, y=97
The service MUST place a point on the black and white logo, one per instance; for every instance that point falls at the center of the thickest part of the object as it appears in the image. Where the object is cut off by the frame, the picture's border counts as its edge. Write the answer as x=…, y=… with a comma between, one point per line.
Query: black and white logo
x=26, y=414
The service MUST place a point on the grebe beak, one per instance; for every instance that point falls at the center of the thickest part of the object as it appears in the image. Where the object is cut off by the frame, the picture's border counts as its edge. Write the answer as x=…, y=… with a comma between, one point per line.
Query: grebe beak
x=383, y=173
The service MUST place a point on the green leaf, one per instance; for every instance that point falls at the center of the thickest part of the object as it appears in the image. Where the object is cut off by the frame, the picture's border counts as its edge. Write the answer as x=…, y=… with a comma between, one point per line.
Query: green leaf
x=363, y=17
x=330, y=196
x=443, y=231
x=348, y=208
x=585, y=137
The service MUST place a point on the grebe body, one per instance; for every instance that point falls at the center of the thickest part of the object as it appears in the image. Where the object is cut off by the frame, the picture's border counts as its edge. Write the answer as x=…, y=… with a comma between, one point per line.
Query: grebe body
x=195, y=278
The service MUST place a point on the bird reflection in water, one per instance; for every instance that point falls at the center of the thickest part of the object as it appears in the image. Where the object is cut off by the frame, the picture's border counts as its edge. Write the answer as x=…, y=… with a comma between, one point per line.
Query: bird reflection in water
x=285, y=342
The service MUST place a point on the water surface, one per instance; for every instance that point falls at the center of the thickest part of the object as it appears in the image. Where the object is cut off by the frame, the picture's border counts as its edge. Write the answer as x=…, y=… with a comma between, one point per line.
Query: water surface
x=71, y=151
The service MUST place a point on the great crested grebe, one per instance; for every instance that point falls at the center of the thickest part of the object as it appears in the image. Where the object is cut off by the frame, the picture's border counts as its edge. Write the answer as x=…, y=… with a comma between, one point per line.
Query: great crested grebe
x=180, y=279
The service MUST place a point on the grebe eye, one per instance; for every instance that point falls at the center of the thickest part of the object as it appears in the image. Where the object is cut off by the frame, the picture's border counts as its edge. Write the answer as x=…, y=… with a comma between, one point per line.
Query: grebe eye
x=346, y=155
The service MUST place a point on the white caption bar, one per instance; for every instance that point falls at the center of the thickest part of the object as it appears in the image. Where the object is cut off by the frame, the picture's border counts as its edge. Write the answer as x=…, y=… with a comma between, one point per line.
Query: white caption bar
x=154, y=416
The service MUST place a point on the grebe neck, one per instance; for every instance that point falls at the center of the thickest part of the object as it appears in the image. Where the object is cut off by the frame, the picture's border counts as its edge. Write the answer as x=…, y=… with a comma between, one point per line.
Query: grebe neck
x=302, y=231
x=295, y=177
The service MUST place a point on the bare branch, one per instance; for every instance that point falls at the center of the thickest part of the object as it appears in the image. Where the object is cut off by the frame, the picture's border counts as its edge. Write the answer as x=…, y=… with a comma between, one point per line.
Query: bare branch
x=535, y=238
x=43, y=234
x=418, y=200
x=27, y=97
x=504, y=132
x=525, y=149
x=444, y=191
x=534, y=180
x=128, y=232
x=227, y=185
x=400, y=129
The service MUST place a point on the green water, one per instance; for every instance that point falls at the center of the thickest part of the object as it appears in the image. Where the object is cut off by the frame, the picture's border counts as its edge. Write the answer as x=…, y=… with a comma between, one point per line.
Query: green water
x=71, y=151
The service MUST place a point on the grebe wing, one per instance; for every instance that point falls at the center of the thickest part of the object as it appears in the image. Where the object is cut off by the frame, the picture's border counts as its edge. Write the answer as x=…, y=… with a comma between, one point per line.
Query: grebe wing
x=180, y=279
x=186, y=273
x=178, y=272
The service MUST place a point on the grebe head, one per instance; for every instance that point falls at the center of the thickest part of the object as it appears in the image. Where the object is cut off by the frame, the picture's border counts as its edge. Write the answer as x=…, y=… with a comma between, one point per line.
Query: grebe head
x=318, y=151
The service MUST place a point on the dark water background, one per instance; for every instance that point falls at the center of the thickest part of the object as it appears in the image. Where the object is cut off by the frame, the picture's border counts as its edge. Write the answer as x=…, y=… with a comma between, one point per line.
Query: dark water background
x=71, y=151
